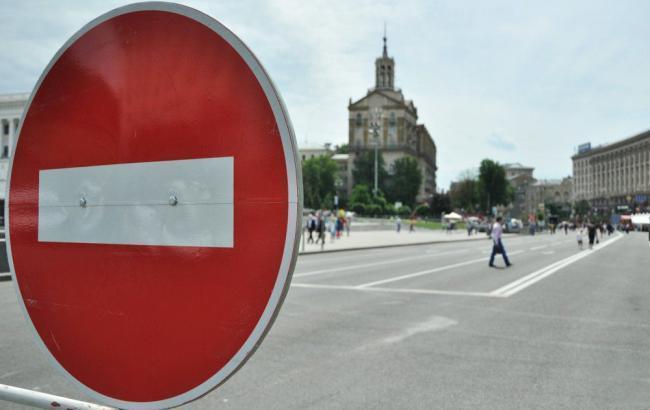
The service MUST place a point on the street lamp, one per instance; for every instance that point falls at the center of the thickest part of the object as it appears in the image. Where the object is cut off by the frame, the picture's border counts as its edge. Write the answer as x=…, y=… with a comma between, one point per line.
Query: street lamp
x=375, y=125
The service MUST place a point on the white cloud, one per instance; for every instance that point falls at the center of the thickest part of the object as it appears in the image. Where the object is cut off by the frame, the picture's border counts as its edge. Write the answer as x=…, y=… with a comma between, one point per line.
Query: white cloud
x=544, y=76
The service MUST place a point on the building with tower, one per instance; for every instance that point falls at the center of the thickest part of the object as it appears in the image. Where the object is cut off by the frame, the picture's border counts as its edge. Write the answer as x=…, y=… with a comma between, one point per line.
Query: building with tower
x=399, y=134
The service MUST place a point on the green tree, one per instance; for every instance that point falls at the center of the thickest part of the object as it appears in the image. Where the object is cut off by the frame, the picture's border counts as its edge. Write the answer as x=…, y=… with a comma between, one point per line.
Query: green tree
x=492, y=185
x=405, y=181
x=360, y=195
x=464, y=195
x=582, y=207
x=440, y=202
x=318, y=176
x=363, y=170
x=342, y=149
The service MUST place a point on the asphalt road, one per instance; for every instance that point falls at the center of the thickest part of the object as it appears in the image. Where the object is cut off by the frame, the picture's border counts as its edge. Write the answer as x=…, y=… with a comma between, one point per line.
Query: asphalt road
x=432, y=326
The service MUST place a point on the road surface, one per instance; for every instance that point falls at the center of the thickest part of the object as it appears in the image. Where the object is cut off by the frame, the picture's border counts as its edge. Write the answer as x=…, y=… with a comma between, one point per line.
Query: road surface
x=432, y=326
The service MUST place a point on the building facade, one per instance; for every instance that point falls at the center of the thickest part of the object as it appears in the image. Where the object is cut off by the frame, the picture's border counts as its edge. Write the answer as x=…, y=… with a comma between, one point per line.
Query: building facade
x=531, y=194
x=555, y=191
x=399, y=134
x=614, y=176
x=11, y=110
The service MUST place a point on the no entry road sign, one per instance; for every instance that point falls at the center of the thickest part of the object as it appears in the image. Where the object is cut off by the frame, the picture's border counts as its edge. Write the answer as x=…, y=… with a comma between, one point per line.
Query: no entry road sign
x=153, y=206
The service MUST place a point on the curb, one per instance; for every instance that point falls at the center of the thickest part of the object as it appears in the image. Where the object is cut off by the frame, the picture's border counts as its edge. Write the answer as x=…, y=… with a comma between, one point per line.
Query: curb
x=363, y=248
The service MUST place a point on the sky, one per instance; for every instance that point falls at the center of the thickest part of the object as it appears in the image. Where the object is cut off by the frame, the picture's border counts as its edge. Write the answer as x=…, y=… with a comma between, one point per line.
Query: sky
x=523, y=81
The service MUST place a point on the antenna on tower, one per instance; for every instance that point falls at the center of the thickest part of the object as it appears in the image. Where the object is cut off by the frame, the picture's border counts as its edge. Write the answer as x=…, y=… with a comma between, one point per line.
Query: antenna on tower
x=385, y=50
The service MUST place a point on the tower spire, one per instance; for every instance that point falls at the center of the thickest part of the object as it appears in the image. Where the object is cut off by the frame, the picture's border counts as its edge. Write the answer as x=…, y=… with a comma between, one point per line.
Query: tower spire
x=385, y=48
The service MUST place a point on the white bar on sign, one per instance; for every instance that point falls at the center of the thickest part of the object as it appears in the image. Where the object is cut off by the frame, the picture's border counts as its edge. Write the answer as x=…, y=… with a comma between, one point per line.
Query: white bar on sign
x=133, y=204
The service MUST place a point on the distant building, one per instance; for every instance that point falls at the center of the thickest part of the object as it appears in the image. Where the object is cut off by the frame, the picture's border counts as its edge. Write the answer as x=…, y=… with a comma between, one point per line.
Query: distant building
x=515, y=170
x=614, y=176
x=530, y=193
x=307, y=153
x=11, y=110
x=400, y=135
x=521, y=179
x=556, y=191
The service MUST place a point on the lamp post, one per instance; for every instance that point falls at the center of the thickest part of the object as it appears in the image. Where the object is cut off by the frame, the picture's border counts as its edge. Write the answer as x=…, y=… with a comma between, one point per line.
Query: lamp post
x=375, y=125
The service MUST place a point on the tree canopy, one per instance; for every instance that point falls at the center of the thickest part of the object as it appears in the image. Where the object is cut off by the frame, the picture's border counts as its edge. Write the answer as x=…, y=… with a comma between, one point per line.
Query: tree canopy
x=318, y=178
x=492, y=185
x=404, y=183
x=363, y=171
x=464, y=195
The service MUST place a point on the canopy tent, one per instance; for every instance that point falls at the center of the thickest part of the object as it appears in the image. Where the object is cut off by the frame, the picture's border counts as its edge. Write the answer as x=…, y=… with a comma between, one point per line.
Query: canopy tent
x=452, y=217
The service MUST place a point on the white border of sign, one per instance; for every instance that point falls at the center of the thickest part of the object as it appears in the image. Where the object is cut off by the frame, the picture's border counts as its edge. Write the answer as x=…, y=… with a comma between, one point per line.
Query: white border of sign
x=294, y=183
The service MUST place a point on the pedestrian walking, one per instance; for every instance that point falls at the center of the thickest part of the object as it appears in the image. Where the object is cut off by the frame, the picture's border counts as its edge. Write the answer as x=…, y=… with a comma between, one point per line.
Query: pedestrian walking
x=412, y=224
x=579, y=238
x=497, y=244
x=320, y=228
x=311, y=227
x=591, y=232
x=398, y=224
x=348, y=222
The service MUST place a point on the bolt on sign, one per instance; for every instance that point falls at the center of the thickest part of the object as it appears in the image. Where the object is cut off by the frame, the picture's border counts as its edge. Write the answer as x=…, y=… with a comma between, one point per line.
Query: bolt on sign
x=153, y=206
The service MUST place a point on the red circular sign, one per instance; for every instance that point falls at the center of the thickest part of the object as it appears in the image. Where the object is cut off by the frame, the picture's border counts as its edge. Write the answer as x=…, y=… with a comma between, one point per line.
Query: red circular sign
x=153, y=206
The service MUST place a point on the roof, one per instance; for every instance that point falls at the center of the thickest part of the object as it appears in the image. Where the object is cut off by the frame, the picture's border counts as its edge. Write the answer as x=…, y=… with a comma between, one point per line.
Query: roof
x=408, y=104
x=15, y=97
x=516, y=165
x=611, y=146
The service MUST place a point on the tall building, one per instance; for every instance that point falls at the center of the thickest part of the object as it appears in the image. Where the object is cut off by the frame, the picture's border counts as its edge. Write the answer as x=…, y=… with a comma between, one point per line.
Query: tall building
x=614, y=176
x=400, y=135
x=11, y=109
x=531, y=194
x=521, y=179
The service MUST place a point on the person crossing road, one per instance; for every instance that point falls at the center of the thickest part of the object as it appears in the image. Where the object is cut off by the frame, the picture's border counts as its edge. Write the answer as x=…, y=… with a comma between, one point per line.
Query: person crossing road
x=497, y=244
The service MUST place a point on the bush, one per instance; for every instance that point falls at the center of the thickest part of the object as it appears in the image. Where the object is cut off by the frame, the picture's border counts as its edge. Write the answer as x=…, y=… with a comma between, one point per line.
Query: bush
x=389, y=210
x=373, y=210
x=404, y=210
x=358, y=208
x=422, y=210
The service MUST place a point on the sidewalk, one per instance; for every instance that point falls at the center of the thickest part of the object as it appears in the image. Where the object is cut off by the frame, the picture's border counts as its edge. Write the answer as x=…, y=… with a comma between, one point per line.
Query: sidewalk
x=382, y=239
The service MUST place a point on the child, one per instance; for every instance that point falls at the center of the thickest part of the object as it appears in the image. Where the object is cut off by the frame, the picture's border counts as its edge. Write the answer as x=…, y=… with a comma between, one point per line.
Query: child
x=579, y=237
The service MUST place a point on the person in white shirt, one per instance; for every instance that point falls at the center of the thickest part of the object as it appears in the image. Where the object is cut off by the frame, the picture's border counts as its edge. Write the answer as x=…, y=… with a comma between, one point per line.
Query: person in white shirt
x=497, y=245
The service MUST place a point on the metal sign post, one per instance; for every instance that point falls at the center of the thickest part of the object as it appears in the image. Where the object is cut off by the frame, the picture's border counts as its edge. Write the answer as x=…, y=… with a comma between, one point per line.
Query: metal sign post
x=46, y=401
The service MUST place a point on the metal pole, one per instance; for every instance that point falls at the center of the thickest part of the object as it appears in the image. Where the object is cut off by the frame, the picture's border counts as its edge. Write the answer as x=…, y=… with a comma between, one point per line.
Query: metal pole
x=376, y=149
x=44, y=400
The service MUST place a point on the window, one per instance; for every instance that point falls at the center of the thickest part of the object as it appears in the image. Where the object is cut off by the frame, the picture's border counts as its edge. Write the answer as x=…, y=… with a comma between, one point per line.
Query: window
x=5, y=128
x=358, y=120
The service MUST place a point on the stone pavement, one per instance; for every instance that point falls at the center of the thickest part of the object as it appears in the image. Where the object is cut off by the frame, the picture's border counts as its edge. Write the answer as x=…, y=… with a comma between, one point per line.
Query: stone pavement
x=386, y=238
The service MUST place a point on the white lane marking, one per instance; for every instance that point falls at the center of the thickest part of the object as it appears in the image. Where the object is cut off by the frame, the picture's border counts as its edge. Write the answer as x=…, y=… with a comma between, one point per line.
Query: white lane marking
x=548, y=252
x=428, y=271
x=168, y=203
x=528, y=280
x=367, y=265
x=534, y=248
x=433, y=324
x=395, y=290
